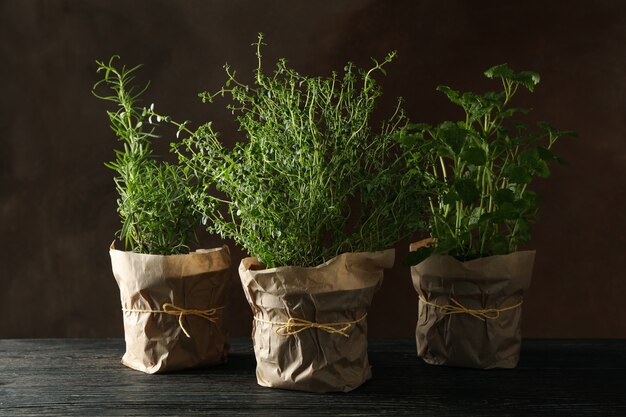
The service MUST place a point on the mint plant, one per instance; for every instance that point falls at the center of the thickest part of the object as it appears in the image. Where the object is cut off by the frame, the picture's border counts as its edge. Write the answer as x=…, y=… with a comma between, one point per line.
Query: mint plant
x=482, y=167
x=156, y=212
x=312, y=178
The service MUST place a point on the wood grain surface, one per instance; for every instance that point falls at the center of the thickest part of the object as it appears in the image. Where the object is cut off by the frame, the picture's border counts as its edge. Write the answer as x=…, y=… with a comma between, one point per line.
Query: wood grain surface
x=83, y=377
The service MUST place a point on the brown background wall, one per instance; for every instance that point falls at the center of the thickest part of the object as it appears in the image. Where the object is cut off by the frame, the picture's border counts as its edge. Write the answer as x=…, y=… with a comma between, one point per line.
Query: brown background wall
x=57, y=201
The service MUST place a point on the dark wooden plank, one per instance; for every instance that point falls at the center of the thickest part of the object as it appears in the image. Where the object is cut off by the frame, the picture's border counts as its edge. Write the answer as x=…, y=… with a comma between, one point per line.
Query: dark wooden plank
x=83, y=377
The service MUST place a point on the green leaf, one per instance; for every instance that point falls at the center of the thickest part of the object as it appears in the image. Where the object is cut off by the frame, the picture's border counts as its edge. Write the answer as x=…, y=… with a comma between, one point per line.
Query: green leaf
x=533, y=160
x=517, y=175
x=531, y=197
x=503, y=196
x=477, y=106
x=499, y=244
x=474, y=156
x=507, y=211
x=408, y=139
x=541, y=168
x=520, y=127
x=486, y=218
x=452, y=135
x=513, y=111
x=447, y=245
x=450, y=197
x=501, y=70
x=525, y=204
x=418, y=256
x=528, y=79
x=453, y=95
x=495, y=98
x=523, y=231
x=420, y=127
x=475, y=216
x=561, y=161
x=467, y=190
x=545, y=154
x=548, y=128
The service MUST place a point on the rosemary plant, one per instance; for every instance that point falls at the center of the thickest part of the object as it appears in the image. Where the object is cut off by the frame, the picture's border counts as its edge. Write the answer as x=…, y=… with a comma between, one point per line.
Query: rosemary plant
x=313, y=179
x=483, y=166
x=157, y=215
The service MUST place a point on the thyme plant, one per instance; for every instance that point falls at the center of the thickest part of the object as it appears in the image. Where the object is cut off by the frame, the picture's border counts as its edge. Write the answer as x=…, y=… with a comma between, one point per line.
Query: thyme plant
x=156, y=212
x=313, y=179
x=483, y=165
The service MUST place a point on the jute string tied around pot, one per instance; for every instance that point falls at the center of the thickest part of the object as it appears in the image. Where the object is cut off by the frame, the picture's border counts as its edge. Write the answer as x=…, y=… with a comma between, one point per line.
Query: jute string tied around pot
x=458, y=308
x=295, y=325
x=173, y=310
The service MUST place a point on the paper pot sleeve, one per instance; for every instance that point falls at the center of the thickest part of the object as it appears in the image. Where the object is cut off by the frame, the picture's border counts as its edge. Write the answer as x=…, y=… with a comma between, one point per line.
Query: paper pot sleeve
x=173, y=308
x=470, y=312
x=310, y=324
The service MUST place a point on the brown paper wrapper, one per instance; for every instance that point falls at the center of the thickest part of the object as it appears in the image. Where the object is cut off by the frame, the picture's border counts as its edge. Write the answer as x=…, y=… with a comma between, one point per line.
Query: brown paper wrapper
x=338, y=291
x=155, y=342
x=460, y=339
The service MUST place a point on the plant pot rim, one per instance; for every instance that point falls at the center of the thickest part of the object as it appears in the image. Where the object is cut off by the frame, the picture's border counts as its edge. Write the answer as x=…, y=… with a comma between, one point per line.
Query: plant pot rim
x=193, y=253
x=252, y=263
x=516, y=253
x=425, y=242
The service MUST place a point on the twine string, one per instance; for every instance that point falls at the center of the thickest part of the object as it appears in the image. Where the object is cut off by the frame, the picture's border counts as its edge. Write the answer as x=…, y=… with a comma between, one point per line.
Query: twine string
x=295, y=325
x=173, y=310
x=457, y=308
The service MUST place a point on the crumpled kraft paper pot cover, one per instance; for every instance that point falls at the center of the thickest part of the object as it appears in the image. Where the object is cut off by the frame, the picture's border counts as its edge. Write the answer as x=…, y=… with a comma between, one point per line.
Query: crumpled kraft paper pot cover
x=310, y=325
x=470, y=312
x=165, y=297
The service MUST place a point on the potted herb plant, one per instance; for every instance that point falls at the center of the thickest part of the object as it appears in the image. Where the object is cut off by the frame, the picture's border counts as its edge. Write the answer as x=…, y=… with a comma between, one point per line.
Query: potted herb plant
x=318, y=197
x=172, y=300
x=470, y=275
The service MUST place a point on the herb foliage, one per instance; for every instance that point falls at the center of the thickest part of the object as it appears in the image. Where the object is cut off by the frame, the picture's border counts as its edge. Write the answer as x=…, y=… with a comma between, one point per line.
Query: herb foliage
x=482, y=167
x=156, y=212
x=313, y=179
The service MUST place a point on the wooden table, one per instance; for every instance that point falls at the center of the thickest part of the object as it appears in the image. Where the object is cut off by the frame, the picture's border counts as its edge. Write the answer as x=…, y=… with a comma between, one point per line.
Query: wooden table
x=83, y=377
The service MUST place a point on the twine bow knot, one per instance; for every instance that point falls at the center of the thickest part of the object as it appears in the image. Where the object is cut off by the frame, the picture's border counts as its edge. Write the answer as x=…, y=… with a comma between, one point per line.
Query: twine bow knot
x=457, y=308
x=173, y=310
x=295, y=325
